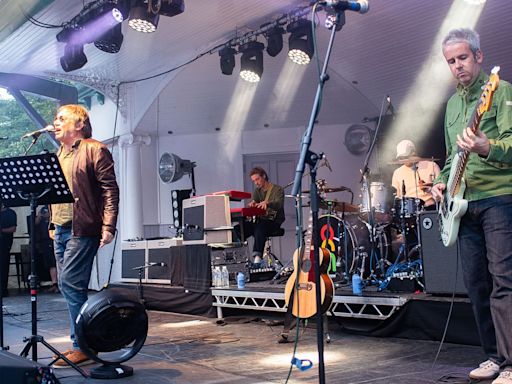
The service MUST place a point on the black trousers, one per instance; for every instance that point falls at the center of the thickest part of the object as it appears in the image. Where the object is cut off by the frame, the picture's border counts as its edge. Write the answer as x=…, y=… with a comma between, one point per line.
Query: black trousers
x=260, y=230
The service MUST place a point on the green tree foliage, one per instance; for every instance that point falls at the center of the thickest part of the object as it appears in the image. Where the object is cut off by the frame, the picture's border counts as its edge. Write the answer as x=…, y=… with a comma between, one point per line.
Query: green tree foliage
x=14, y=123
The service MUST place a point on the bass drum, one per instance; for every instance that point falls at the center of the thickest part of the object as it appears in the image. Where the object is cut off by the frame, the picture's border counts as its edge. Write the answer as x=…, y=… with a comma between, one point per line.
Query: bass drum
x=349, y=241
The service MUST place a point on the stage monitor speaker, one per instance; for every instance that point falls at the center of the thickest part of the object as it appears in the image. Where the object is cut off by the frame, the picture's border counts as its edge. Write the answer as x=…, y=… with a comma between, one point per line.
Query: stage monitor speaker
x=19, y=370
x=439, y=262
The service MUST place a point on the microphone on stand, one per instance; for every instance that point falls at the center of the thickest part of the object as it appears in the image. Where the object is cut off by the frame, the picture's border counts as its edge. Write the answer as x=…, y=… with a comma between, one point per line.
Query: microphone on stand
x=157, y=264
x=391, y=109
x=326, y=162
x=360, y=6
x=36, y=134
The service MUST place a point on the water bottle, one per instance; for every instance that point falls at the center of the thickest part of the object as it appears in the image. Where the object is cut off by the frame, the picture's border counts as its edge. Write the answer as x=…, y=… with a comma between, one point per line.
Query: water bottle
x=225, y=277
x=357, y=285
x=240, y=280
x=216, y=277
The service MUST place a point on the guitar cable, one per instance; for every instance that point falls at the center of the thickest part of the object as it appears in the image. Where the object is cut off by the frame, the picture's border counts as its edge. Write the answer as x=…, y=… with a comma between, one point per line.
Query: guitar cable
x=450, y=311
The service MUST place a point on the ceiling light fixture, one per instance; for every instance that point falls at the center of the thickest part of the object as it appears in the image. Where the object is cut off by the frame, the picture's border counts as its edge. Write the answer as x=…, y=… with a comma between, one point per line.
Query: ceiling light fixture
x=74, y=57
x=274, y=40
x=300, y=42
x=111, y=40
x=251, y=62
x=227, y=60
x=145, y=14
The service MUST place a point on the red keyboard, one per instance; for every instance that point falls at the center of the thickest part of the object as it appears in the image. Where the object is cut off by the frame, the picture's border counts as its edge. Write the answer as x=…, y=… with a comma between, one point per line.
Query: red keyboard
x=247, y=212
x=234, y=195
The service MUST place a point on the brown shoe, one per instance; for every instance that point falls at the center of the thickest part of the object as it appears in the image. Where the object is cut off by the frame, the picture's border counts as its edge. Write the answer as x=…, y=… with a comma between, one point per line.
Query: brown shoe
x=65, y=353
x=76, y=356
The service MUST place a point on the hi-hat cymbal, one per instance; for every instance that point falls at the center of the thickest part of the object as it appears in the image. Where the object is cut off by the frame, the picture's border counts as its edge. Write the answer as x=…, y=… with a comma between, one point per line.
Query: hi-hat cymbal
x=329, y=189
x=340, y=206
x=411, y=159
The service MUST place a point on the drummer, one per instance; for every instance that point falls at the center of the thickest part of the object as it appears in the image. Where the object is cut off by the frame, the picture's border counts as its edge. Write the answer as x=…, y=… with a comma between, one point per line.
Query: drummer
x=414, y=178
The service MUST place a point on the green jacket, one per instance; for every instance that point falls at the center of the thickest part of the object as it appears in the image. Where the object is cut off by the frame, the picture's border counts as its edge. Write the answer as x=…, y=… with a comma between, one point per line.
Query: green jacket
x=275, y=210
x=485, y=176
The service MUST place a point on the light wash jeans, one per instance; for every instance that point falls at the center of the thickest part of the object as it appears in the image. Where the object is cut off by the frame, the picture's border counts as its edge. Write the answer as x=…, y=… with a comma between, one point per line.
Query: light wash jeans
x=74, y=256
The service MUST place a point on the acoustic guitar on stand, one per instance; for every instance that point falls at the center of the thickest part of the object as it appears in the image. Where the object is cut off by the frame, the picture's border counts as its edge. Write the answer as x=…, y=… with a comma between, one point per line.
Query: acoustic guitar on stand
x=302, y=285
x=454, y=206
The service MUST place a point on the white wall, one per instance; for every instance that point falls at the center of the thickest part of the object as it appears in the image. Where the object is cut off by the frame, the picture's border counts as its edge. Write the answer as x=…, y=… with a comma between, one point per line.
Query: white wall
x=219, y=162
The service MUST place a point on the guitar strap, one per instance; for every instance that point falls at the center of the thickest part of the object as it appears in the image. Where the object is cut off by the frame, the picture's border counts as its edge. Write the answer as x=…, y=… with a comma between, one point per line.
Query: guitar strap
x=267, y=194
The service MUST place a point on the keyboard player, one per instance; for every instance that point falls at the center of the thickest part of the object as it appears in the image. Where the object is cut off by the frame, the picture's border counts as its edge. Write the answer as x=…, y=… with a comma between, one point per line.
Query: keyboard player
x=269, y=197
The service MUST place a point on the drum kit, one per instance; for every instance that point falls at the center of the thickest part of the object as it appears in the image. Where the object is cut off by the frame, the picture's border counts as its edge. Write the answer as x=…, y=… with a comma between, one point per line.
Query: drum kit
x=373, y=237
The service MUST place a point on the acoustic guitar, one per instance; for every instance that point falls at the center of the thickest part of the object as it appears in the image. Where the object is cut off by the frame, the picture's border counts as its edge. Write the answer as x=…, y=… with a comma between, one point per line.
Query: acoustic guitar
x=301, y=284
x=454, y=206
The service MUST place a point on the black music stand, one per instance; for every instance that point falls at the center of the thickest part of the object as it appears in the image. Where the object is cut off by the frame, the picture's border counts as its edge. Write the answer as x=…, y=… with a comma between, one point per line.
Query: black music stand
x=29, y=181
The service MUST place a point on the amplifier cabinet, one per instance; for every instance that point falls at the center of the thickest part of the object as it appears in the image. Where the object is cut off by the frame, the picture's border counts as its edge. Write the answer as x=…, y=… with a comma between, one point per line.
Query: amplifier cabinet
x=206, y=220
x=133, y=254
x=159, y=252
x=230, y=255
x=439, y=262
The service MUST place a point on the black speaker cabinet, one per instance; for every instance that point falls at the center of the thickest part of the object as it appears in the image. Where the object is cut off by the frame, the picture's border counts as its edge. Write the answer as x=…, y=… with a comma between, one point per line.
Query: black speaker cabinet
x=439, y=262
x=19, y=370
x=133, y=254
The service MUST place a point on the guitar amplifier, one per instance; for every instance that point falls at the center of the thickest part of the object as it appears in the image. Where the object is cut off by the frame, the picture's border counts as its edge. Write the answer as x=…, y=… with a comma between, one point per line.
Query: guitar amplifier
x=441, y=266
x=206, y=220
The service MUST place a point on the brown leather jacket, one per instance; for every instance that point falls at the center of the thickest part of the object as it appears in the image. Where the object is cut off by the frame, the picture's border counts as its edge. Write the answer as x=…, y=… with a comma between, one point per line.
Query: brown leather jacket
x=95, y=189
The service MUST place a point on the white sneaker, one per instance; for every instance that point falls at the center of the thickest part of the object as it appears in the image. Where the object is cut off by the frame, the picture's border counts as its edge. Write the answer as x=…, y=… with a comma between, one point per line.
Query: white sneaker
x=486, y=371
x=505, y=377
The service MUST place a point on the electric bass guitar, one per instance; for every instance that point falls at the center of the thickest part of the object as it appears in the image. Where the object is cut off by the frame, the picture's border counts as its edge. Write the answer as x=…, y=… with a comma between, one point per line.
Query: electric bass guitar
x=302, y=285
x=454, y=206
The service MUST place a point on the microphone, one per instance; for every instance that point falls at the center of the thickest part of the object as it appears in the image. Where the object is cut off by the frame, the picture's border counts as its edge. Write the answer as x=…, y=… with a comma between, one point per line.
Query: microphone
x=36, y=134
x=326, y=163
x=4, y=138
x=391, y=109
x=157, y=264
x=360, y=6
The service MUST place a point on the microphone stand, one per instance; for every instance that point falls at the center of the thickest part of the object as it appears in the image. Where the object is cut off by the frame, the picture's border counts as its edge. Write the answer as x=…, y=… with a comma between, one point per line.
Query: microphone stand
x=306, y=156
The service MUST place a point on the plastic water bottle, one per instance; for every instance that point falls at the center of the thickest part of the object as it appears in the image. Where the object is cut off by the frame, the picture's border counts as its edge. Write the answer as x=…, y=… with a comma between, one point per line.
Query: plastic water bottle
x=225, y=276
x=240, y=280
x=357, y=285
x=216, y=277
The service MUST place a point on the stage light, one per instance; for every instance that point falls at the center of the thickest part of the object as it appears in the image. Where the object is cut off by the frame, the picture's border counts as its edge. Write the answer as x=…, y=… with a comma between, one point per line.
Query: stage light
x=274, y=40
x=251, y=62
x=227, y=60
x=300, y=42
x=171, y=167
x=74, y=57
x=111, y=321
x=142, y=18
x=111, y=40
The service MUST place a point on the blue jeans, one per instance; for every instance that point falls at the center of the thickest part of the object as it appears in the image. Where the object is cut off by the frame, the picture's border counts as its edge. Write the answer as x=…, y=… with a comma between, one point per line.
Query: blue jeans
x=486, y=256
x=74, y=257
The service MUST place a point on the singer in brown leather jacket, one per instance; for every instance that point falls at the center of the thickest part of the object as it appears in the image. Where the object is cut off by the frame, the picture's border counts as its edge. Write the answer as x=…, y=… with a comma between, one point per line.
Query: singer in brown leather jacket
x=89, y=222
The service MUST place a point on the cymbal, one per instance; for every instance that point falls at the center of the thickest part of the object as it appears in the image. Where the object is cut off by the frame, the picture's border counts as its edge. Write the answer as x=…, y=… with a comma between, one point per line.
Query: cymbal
x=340, y=206
x=329, y=189
x=411, y=159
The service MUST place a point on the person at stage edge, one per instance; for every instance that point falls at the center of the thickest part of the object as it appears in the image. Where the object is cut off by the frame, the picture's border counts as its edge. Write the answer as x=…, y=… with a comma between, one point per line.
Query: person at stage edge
x=8, y=222
x=415, y=177
x=269, y=197
x=80, y=228
x=485, y=234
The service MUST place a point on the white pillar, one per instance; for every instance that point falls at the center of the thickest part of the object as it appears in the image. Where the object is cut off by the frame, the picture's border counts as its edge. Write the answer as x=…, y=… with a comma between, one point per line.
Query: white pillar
x=131, y=185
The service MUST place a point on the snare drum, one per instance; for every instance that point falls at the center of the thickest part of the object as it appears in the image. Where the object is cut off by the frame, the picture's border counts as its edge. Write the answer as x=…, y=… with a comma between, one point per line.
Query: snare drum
x=407, y=207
